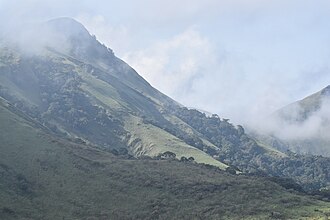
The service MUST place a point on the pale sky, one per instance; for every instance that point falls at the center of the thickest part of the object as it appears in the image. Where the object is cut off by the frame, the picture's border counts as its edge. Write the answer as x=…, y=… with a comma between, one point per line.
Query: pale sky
x=237, y=58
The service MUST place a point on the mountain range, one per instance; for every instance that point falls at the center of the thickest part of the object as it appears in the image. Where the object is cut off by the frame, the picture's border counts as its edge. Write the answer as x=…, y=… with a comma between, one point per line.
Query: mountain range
x=73, y=113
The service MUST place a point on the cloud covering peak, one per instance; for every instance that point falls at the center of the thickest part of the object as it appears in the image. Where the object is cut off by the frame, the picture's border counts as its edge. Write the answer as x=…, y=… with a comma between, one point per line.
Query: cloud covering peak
x=239, y=59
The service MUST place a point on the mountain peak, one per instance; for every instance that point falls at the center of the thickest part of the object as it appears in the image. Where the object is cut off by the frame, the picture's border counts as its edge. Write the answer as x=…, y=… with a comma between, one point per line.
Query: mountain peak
x=68, y=27
x=70, y=36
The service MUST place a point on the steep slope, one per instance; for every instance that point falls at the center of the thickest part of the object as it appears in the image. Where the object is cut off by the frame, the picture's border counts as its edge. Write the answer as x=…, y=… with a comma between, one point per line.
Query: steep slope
x=44, y=177
x=301, y=110
x=79, y=88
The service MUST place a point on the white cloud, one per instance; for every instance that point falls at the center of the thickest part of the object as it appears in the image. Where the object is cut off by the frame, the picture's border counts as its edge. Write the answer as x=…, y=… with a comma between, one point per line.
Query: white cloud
x=241, y=59
x=315, y=126
x=115, y=36
x=172, y=65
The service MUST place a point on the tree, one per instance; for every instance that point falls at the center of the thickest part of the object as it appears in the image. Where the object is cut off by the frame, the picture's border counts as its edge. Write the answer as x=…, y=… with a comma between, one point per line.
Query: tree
x=184, y=159
x=230, y=170
x=167, y=155
x=191, y=159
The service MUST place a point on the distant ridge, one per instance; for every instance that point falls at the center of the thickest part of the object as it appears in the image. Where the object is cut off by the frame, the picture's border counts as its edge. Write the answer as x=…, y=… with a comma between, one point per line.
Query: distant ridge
x=302, y=109
x=305, y=124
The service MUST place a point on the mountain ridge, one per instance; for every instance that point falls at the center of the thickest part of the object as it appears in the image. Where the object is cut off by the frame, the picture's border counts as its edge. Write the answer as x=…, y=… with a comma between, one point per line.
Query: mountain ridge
x=305, y=124
x=308, y=105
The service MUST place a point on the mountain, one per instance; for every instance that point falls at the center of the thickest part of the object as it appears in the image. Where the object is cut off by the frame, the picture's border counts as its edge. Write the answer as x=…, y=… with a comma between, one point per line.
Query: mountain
x=75, y=86
x=71, y=85
x=47, y=177
x=79, y=88
x=303, y=109
x=305, y=124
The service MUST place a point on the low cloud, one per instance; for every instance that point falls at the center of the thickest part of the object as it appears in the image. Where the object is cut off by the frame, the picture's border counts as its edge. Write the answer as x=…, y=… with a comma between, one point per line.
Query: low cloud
x=200, y=73
x=116, y=36
x=295, y=125
x=174, y=65
x=239, y=59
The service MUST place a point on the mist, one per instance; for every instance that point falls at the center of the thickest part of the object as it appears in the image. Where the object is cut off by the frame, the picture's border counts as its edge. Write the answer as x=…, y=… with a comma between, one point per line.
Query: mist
x=242, y=60
x=293, y=127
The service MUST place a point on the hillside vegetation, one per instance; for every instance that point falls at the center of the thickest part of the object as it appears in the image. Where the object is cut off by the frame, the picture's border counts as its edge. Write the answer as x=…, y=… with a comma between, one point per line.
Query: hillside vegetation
x=243, y=153
x=44, y=177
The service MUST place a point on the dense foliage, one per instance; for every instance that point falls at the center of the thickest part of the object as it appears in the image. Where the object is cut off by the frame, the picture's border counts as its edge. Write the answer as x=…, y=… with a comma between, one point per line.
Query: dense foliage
x=239, y=150
x=45, y=177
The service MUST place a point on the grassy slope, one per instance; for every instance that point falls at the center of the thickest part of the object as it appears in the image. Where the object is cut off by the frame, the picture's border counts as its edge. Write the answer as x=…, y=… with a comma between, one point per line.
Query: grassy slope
x=155, y=140
x=188, y=129
x=47, y=178
x=270, y=150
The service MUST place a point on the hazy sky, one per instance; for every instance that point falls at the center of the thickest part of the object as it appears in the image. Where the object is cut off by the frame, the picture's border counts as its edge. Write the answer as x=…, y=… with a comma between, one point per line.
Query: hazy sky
x=237, y=58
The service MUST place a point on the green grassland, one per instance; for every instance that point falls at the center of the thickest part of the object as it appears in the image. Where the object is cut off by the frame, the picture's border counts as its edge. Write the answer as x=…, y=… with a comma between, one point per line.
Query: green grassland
x=271, y=151
x=153, y=141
